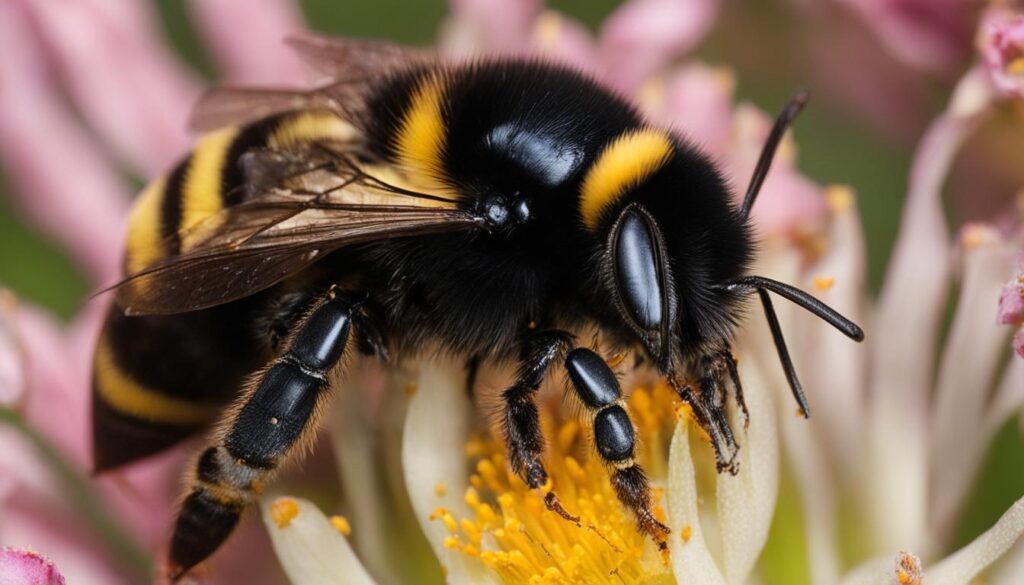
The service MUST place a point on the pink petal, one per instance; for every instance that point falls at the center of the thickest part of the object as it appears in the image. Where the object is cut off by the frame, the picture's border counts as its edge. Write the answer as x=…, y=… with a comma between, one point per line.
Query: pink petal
x=12, y=357
x=697, y=100
x=565, y=40
x=1011, y=302
x=80, y=203
x=642, y=36
x=130, y=87
x=1001, y=43
x=21, y=567
x=499, y=25
x=1018, y=342
x=788, y=203
x=910, y=307
x=972, y=357
x=71, y=547
x=253, y=53
x=931, y=35
x=68, y=385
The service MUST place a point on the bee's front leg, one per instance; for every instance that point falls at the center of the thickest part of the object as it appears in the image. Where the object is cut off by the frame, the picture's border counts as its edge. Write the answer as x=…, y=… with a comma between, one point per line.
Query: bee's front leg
x=716, y=372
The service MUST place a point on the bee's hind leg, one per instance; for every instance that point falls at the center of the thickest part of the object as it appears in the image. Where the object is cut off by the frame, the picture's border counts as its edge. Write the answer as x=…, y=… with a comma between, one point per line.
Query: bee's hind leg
x=614, y=437
x=279, y=412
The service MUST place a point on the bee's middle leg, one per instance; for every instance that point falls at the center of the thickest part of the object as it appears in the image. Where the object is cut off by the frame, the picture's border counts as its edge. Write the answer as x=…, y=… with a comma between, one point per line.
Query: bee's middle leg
x=279, y=411
x=539, y=350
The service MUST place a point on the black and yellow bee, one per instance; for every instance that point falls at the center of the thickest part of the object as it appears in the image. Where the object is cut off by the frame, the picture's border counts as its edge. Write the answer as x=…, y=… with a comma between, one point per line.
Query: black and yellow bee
x=487, y=208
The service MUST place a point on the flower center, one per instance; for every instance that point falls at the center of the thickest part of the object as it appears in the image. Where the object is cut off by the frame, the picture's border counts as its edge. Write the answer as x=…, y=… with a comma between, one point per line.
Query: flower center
x=512, y=532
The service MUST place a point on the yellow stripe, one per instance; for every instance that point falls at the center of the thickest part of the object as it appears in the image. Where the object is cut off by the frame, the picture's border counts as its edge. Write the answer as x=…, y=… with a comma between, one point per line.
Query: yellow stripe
x=421, y=139
x=144, y=245
x=310, y=126
x=622, y=165
x=127, y=396
x=201, y=195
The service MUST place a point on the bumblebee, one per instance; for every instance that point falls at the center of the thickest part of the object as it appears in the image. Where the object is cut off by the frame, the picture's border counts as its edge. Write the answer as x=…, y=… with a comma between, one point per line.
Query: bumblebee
x=489, y=208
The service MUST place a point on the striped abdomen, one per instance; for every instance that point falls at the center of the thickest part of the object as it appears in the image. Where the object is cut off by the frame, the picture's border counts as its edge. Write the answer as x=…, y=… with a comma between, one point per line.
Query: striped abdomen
x=158, y=379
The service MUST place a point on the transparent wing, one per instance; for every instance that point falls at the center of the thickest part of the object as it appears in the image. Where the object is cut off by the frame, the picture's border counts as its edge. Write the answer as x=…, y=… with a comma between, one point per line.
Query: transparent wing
x=297, y=208
x=346, y=66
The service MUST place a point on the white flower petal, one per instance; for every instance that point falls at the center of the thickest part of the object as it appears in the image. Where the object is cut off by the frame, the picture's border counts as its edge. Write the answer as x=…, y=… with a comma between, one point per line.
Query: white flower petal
x=887, y=570
x=691, y=560
x=433, y=446
x=968, y=562
x=832, y=366
x=910, y=309
x=1010, y=569
x=967, y=369
x=814, y=480
x=746, y=502
x=358, y=466
x=876, y=571
x=1009, y=397
x=311, y=550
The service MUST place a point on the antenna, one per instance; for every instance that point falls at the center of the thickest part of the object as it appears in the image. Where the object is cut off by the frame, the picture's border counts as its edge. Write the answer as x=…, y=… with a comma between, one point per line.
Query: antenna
x=764, y=162
x=824, y=312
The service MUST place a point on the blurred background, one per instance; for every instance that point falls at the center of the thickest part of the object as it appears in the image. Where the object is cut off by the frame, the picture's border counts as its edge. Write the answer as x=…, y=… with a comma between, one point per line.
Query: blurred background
x=871, y=103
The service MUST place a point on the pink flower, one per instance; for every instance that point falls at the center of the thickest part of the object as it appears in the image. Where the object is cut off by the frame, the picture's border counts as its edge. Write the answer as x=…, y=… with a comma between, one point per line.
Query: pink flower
x=129, y=100
x=640, y=38
x=22, y=567
x=931, y=35
x=1011, y=307
x=1001, y=43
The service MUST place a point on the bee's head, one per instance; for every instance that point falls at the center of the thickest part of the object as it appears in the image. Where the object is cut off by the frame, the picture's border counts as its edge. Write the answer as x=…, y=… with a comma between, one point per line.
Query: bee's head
x=666, y=264
x=677, y=253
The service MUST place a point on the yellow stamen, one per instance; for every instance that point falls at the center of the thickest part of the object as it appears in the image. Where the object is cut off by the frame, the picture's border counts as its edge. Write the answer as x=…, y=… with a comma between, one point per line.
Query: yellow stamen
x=511, y=530
x=547, y=29
x=840, y=198
x=824, y=283
x=976, y=235
x=341, y=524
x=1016, y=66
x=283, y=511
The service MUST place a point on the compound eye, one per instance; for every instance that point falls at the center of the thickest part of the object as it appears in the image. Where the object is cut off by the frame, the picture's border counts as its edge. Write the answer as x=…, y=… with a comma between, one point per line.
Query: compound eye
x=640, y=277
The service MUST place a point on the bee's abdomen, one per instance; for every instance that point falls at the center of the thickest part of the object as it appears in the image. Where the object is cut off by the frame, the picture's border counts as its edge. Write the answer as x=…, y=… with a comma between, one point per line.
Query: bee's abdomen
x=158, y=379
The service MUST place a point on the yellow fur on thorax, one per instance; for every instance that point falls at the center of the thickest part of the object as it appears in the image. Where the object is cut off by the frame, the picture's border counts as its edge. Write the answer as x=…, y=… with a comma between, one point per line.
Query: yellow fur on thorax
x=622, y=165
x=420, y=142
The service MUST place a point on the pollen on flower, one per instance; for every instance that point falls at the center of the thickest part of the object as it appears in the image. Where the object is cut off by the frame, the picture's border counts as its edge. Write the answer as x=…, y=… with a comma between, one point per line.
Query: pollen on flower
x=511, y=530
x=840, y=198
x=283, y=511
x=975, y=235
x=908, y=569
x=440, y=490
x=686, y=533
x=341, y=524
x=1016, y=66
x=651, y=94
x=548, y=28
x=824, y=283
